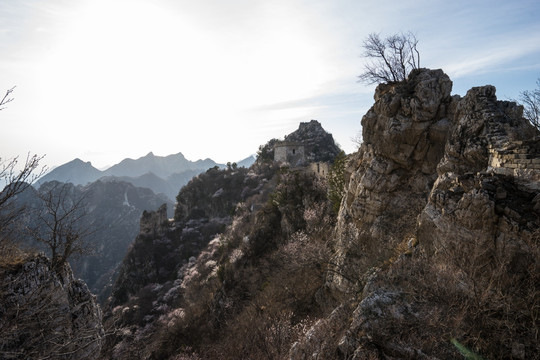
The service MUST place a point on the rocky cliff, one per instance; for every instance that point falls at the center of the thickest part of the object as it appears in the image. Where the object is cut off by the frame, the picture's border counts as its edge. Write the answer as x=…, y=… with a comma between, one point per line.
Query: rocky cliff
x=392, y=173
x=44, y=314
x=438, y=230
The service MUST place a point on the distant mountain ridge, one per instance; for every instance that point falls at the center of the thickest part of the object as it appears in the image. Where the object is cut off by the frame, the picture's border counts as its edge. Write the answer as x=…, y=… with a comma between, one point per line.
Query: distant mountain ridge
x=161, y=174
x=162, y=166
x=76, y=171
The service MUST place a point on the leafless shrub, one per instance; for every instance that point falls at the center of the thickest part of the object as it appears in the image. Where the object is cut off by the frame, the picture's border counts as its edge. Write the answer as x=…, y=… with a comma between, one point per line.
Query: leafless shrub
x=482, y=293
x=15, y=181
x=34, y=322
x=531, y=103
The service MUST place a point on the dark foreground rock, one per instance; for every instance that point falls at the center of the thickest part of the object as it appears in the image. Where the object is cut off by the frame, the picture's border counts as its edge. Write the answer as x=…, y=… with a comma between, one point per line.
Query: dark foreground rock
x=45, y=314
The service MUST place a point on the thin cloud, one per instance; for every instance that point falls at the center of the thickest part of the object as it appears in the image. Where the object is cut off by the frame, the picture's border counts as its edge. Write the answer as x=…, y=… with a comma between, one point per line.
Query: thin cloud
x=494, y=59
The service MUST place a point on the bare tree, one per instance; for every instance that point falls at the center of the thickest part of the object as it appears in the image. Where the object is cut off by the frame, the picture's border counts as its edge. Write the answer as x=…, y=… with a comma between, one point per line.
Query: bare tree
x=531, y=104
x=15, y=182
x=62, y=225
x=390, y=59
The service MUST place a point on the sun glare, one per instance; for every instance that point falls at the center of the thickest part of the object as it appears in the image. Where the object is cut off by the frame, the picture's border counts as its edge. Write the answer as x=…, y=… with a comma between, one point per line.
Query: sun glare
x=129, y=62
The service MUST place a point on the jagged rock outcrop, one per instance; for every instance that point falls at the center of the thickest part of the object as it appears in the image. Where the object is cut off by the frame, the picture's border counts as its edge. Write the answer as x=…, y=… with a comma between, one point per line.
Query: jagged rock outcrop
x=311, y=141
x=319, y=145
x=392, y=173
x=154, y=255
x=44, y=314
x=488, y=193
x=439, y=228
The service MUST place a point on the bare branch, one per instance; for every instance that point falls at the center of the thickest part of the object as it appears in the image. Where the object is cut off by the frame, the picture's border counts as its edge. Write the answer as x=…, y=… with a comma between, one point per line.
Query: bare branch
x=6, y=99
x=16, y=182
x=531, y=105
x=62, y=223
x=391, y=59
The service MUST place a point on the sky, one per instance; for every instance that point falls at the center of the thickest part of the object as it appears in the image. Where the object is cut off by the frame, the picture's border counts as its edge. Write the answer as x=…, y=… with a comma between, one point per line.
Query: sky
x=104, y=80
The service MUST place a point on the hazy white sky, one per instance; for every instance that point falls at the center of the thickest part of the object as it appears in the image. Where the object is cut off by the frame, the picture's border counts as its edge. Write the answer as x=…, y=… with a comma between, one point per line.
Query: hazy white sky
x=103, y=80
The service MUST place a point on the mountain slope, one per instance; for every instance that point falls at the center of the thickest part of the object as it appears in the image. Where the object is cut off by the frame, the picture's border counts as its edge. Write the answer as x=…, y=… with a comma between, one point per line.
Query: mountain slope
x=76, y=171
x=247, y=162
x=262, y=206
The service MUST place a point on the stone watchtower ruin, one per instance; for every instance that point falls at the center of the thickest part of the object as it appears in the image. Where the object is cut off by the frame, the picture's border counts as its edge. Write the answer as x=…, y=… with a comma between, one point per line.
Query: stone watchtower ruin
x=290, y=152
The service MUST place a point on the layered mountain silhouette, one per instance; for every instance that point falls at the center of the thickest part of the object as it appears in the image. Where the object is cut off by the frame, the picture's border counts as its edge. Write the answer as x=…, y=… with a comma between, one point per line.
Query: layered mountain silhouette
x=161, y=174
x=76, y=171
x=162, y=166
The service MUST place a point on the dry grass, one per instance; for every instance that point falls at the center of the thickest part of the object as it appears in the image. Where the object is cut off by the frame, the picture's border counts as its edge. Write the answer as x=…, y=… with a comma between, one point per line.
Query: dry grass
x=11, y=256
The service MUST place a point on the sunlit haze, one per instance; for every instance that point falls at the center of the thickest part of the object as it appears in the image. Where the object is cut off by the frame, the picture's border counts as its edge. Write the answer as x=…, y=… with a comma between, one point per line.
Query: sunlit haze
x=106, y=80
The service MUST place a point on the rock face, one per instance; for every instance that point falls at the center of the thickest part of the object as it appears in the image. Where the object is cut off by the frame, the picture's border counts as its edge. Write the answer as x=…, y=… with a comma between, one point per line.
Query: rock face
x=44, y=314
x=487, y=182
x=318, y=144
x=439, y=228
x=392, y=173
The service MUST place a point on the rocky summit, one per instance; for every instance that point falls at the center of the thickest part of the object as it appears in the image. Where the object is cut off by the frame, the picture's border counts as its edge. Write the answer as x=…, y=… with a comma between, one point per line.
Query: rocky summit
x=319, y=144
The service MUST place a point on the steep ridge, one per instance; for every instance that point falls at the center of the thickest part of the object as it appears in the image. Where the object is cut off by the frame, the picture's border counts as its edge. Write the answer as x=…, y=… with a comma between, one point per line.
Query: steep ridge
x=185, y=278
x=439, y=237
x=163, y=245
x=392, y=173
